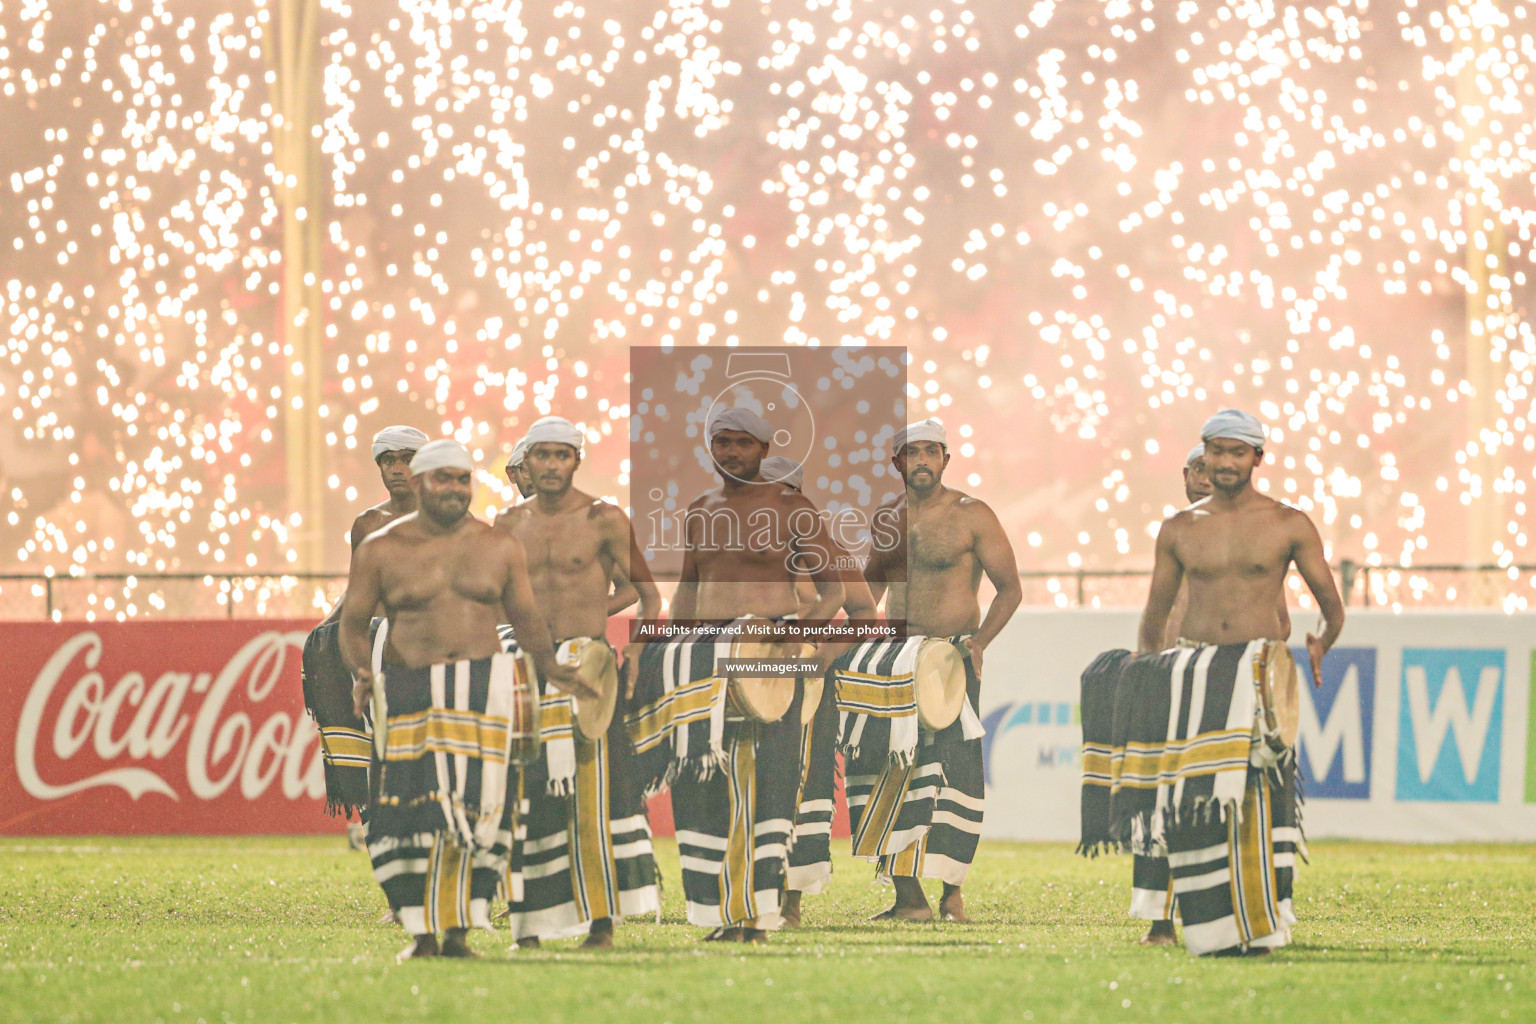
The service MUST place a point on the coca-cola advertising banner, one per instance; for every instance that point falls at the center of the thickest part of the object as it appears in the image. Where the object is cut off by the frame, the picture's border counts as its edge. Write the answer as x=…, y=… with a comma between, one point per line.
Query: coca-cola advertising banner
x=157, y=728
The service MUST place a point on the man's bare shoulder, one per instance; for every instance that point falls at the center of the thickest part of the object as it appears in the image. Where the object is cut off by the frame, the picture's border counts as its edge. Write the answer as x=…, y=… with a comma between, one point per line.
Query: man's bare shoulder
x=370, y=519
x=607, y=515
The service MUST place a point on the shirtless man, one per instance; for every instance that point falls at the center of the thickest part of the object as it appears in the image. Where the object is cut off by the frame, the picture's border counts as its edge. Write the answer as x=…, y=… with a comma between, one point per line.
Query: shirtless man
x=576, y=546
x=1234, y=549
x=931, y=578
x=444, y=580
x=743, y=544
x=327, y=686
x=810, y=862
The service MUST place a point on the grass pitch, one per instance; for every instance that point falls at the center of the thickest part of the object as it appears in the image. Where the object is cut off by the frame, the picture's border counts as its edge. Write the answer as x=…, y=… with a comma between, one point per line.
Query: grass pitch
x=201, y=931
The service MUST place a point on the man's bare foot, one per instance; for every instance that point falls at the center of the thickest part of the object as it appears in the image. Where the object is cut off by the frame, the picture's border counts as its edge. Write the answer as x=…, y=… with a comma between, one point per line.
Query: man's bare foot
x=910, y=905
x=421, y=945
x=901, y=913
x=952, y=905
x=789, y=910
x=1160, y=934
x=528, y=942
x=754, y=935
x=724, y=935
x=456, y=944
x=601, y=934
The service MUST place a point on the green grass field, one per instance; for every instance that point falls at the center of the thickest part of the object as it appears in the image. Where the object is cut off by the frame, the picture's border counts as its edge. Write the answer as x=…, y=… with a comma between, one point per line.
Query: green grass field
x=283, y=929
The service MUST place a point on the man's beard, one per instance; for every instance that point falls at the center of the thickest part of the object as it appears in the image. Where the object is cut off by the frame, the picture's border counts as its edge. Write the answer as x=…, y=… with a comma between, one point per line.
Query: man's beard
x=445, y=512
x=928, y=484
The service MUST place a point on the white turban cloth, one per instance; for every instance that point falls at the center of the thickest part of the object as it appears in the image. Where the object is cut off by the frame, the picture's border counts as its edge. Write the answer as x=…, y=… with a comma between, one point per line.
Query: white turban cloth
x=923, y=430
x=519, y=452
x=555, y=430
x=1235, y=425
x=776, y=468
x=1197, y=452
x=397, y=439
x=737, y=418
x=443, y=454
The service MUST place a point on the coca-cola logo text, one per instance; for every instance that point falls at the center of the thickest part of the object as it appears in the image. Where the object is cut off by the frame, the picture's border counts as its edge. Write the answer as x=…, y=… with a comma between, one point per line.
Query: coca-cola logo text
x=146, y=722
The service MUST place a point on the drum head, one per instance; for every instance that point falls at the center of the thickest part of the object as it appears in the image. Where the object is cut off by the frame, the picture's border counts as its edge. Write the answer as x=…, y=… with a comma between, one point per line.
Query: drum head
x=596, y=667
x=759, y=698
x=1284, y=693
x=939, y=679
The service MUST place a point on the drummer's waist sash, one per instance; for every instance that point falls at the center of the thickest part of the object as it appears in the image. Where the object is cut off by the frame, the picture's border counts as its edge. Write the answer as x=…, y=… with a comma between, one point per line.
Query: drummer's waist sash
x=443, y=747
x=1183, y=728
x=676, y=719
x=876, y=689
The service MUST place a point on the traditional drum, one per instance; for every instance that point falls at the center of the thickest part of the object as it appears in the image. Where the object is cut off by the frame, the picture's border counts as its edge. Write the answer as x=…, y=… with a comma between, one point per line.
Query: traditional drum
x=939, y=683
x=759, y=698
x=1277, y=718
x=595, y=666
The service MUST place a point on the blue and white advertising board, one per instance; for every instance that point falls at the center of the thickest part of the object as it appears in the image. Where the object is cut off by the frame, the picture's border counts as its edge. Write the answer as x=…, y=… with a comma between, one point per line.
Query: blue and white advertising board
x=1420, y=730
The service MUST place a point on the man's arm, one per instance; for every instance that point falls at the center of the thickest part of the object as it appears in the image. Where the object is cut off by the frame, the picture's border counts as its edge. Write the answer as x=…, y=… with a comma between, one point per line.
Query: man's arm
x=995, y=554
x=1307, y=553
x=815, y=546
x=685, y=599
x=1167, y=574
x=362, y=526
x=629, y=573
x=365, y=588
x=878, y=567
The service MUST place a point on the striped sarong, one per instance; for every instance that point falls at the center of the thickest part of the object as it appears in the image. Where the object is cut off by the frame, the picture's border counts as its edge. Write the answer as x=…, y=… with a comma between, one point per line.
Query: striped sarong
x=810, y=844
x=877, y=700
x=733, y=826
x=441, y=815
x=1233, y=876
x=1100, y=684
x=346, y=740
x=677, y=716
x=586, y=854
x=923, y=820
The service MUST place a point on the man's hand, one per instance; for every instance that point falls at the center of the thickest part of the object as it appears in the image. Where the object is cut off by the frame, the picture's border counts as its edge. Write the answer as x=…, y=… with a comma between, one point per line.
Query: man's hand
x=631, y=668
x=1315, y=652
x=564, y=679
x=973, y=651
x=362, y=691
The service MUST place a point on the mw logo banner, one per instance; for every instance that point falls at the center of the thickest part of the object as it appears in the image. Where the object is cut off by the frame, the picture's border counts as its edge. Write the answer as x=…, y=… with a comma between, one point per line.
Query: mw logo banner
x=1334, y=741
x=1450, y=725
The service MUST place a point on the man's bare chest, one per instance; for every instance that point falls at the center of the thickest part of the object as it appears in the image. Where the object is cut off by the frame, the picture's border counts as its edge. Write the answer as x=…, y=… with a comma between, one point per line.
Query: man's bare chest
x=560, y=544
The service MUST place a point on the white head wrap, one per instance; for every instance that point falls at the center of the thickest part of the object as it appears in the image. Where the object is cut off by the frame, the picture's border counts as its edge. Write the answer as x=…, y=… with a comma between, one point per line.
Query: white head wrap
x=519, y=452
x=785, y=471
x=555, y=430
x=1235, y=425
x=444, y=454
x=923, y=430
x=1197, y=452
x=397, y=439
x=737, y=418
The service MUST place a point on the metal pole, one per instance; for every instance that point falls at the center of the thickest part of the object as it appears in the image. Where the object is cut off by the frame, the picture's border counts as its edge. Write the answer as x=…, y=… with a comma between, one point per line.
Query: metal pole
x=291, y=50
x=1485, y=321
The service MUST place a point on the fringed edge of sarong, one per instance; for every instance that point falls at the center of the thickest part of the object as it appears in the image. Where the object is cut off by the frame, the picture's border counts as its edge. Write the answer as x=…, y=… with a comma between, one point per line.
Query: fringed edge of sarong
x=1206, y=811
x=895, y=759
x=1102, y=846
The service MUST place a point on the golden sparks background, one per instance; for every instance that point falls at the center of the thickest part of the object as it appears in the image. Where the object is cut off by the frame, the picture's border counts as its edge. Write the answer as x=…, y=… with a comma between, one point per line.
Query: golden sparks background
x=1091, y=224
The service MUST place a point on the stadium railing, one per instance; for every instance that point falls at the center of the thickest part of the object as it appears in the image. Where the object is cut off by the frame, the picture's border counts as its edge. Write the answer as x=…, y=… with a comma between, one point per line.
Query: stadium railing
x=299, y=595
